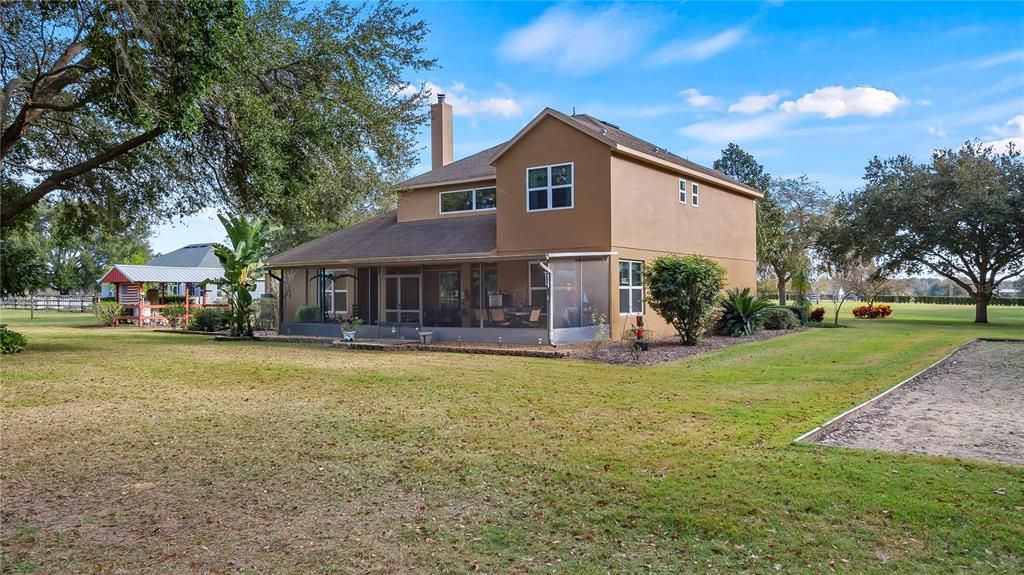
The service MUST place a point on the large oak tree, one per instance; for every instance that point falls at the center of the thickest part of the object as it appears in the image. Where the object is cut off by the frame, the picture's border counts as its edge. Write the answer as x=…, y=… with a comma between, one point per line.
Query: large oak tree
x=149, y=110
x=960, y=216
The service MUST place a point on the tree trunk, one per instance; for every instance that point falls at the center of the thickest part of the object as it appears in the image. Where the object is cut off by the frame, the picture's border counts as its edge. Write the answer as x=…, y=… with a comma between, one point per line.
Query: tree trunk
x=782, y=290
x=981, y=307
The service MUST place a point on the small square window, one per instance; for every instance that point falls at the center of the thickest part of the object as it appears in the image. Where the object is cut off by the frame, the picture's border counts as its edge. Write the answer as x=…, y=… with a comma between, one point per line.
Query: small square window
x=539, y=199
x=561, y=197
x=538, y=178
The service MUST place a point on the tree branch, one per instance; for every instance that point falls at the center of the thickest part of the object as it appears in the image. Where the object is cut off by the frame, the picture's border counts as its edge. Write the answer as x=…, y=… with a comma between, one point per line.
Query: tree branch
x=58, y=179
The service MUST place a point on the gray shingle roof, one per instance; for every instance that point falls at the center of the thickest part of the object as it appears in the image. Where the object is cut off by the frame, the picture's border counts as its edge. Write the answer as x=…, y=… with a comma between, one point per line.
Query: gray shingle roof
x=478, y=165
x=384, y=237
x=468, y=168
x=190, y=256
x=617, y=135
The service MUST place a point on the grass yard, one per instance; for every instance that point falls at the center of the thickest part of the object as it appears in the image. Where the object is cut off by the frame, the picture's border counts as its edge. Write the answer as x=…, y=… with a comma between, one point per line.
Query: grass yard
x=127, y=451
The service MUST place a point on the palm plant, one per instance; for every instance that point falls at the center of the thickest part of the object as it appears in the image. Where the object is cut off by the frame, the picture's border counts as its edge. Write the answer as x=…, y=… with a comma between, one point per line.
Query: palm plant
x=742, y=312
x=242, y=263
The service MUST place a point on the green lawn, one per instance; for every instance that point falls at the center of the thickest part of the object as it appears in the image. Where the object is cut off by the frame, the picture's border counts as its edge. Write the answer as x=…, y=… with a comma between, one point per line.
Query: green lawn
x=128, y=451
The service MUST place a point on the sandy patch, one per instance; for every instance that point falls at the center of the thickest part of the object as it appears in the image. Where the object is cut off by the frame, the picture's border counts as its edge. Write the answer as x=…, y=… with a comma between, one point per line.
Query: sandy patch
x=970, y=406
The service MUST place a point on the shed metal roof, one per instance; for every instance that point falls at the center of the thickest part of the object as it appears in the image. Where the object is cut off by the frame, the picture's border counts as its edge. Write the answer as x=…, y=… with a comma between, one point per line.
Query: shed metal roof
x=121, y=273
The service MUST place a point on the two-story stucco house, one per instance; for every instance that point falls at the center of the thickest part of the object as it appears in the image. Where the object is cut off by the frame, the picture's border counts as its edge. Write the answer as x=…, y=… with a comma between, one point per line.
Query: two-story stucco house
x=530, y=241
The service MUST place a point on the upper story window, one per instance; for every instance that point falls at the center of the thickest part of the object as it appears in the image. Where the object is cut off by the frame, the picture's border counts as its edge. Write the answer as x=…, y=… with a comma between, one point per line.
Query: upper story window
x=694, y=195
x=549, y=188
x=468, y=200
x=682, y=191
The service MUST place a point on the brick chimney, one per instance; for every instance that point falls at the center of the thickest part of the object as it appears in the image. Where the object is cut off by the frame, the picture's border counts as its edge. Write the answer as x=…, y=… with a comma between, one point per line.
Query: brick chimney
x=440, y=133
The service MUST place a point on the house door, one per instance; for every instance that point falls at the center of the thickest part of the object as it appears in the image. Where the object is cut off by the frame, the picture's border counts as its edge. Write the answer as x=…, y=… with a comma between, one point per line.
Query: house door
x=403, y=299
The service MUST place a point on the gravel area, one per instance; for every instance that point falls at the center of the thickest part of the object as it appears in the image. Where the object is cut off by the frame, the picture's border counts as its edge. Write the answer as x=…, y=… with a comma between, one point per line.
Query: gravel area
x=969, y=406
x=666, y=348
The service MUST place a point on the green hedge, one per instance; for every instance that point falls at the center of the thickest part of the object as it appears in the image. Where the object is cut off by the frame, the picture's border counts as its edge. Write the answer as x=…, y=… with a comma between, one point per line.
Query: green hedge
x=952, y=300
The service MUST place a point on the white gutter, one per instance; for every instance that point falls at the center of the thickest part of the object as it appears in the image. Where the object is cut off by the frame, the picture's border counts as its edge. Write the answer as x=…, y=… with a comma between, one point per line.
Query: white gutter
x=558, y=255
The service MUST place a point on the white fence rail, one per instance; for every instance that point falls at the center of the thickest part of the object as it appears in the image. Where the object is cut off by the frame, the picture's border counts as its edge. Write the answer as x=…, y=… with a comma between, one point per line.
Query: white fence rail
x=79, y=303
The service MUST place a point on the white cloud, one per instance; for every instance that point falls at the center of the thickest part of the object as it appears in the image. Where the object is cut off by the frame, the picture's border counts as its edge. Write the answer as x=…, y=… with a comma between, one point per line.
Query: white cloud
x=698, y=50
x=997, y=59
x=577, y=40
x=463, y=104
x=723, y=131
x=937, y=131
x=698, y=100
x=838, y=101
x=1014, y=130
x=754, y=103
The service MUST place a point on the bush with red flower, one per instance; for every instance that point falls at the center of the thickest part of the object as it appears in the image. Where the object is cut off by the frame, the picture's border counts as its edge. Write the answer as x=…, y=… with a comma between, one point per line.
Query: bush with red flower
x=818, y=314
x=872, y=311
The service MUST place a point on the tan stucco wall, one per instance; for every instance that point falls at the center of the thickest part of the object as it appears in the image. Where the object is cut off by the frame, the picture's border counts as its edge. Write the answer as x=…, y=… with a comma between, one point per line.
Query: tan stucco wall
x=297, y=290
x=647, y=214
x=424, y=204
x=739, y=273
x=584, y=227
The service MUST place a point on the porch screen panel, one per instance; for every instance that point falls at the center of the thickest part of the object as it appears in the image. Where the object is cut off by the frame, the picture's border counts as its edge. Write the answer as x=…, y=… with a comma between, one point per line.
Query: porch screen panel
x=566, y=288
x=595, y=296
x=410, y=300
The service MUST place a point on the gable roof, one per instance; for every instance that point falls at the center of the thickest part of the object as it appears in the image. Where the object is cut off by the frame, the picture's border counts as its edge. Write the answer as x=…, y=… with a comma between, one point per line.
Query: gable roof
x=385, y=237
x=190, y=256
x=624, y=142
x=124, y=273
x=468, y=169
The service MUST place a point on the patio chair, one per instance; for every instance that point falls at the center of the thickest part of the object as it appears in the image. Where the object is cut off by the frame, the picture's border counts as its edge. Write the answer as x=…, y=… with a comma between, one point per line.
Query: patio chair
x=498, y=318
x=534, y=320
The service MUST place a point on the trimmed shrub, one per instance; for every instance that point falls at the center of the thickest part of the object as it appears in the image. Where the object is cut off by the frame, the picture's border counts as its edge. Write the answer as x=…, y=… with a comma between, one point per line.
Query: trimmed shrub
x=168, y=299
x=307, y=313
x=780, y=318
x=742, y=312
x=207, y=319
x=683, y=290
x=818, y=314
x=801, y=310
x=109, y=298
x=872, y=312
x=12, y=341
x=107, y=312
x=175, y=314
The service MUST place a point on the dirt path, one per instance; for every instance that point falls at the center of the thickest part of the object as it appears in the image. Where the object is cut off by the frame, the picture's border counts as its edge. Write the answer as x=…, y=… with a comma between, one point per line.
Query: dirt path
x=971, y=405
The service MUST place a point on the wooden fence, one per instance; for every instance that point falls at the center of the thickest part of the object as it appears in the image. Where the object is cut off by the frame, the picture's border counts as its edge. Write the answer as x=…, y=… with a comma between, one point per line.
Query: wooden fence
x=78, y=303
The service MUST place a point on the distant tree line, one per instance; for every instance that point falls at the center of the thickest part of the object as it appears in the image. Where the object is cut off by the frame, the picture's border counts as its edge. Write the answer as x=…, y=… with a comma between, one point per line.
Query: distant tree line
x=959, y=216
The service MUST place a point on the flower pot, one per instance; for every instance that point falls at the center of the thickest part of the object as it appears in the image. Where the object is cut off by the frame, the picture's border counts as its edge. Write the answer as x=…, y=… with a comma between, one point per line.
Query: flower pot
x=348, y=335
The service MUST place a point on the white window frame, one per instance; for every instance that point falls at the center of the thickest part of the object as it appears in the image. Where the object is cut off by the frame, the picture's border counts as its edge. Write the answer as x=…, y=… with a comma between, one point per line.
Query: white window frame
x=550, y=187
x=694, y=195
x=631, y=287
x=331, y=291
x=682, y=191
x=472, y=195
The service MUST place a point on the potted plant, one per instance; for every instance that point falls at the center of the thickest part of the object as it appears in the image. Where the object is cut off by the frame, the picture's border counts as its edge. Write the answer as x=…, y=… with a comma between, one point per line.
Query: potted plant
x=349, y=328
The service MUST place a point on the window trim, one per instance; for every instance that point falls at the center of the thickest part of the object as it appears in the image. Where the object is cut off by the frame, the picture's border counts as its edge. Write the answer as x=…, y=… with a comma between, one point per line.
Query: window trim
x=682, y=191
x=550, y=188
x=631, y=287
x=695, y=195
x=472, y=196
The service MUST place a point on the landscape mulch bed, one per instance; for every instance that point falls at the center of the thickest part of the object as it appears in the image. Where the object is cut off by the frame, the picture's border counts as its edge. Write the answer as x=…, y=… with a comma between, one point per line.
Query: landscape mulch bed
x=666, y=348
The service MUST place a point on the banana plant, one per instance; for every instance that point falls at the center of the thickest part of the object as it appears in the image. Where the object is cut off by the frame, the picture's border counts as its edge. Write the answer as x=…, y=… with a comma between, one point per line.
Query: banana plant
x=242, y=261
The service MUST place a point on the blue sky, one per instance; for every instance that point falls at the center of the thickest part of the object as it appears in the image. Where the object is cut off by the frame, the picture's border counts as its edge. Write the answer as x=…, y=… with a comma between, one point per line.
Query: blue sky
x=808, y=88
